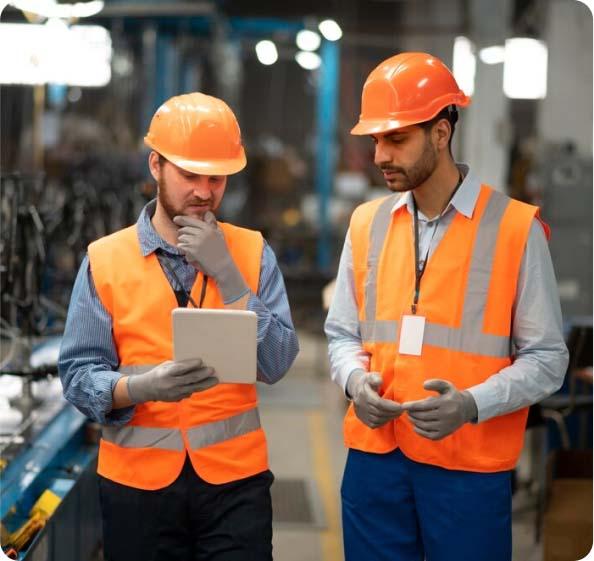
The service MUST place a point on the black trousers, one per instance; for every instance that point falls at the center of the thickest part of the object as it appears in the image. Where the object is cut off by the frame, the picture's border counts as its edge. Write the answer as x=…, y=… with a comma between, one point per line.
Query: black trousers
x=190, y=520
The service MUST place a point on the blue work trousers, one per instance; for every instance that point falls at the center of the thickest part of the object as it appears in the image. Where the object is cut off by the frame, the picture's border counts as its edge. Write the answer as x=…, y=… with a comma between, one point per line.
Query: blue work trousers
x=395, y=509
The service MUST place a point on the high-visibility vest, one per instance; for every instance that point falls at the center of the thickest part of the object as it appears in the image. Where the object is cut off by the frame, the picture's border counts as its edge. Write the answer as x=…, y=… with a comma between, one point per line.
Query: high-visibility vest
x=467, y=297
x=218, y=428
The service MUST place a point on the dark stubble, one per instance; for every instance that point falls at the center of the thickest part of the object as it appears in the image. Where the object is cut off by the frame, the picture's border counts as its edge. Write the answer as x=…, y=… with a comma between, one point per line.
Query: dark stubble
x=170, y=209
x=418, y=173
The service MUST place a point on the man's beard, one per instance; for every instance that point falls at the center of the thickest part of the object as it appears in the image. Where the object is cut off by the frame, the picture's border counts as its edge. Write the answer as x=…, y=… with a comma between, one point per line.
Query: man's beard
x=170, y=209
x=418, y=173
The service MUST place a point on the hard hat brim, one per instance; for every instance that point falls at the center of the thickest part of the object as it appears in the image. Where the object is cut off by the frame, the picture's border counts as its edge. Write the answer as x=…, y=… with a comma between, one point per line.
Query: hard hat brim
x=228, y=166
x=380, y=126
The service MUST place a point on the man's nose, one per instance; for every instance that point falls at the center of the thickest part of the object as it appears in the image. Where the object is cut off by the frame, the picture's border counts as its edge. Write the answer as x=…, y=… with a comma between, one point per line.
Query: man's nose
x=382, y=156
x=200, y=187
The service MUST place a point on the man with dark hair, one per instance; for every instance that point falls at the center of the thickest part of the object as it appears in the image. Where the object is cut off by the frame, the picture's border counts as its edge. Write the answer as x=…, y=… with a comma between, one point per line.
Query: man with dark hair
x=445, y=326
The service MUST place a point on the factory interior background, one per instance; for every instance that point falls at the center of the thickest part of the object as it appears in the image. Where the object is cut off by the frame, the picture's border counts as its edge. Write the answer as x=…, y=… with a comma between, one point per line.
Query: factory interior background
x=78, y=86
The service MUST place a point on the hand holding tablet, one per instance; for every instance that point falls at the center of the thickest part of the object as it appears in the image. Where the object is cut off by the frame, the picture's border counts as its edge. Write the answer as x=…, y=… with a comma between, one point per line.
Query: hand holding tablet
x=224, y=339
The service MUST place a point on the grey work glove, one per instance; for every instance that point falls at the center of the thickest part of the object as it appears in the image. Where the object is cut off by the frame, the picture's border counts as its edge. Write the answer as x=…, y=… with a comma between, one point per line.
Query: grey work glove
x=438, y=417
x=204, y=246
x=370, y=408
x=171, y=381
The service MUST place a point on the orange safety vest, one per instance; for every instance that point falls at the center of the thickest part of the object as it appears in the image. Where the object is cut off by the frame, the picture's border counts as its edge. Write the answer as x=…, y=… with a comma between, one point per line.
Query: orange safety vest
x=467, y=297
x=219, y=428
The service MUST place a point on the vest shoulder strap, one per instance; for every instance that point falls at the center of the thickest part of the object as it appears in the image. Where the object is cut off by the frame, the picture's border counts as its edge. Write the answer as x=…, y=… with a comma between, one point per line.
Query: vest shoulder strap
x=520, y=215
x=362, y=220
x=106, y=253
x=101, y=251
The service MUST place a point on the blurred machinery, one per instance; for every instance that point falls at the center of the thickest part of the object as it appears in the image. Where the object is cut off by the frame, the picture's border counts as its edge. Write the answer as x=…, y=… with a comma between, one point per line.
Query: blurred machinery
x=48, y=487
x=566, y=182
x=48, y=492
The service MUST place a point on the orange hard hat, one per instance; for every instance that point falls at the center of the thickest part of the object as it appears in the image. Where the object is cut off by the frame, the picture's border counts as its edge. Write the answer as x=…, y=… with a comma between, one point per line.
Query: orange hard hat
x=404, y=90
x=198, y=133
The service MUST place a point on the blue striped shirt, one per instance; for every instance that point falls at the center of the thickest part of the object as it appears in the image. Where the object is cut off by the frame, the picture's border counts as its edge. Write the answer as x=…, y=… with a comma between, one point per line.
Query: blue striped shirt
x=89, y=361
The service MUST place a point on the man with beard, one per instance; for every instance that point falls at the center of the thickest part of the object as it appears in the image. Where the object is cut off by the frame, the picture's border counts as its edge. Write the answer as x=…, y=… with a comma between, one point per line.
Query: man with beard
x=182, y=460
x=445, y=326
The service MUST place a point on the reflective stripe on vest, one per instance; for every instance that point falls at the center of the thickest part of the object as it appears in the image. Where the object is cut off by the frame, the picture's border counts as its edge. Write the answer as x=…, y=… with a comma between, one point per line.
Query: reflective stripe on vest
x=379, y=331
x=466, y=338
x=218, y=431
x=133, y=436
x=130, y=436
x=377, y=235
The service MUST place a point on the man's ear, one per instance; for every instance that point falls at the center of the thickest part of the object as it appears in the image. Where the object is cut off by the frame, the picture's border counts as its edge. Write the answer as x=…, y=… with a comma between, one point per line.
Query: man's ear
x=154, y=165
x=443, y=132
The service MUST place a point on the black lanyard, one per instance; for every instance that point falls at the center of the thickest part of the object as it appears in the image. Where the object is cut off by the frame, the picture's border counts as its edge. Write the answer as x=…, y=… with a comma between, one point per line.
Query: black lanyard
x=164, y=261
x=420, y=271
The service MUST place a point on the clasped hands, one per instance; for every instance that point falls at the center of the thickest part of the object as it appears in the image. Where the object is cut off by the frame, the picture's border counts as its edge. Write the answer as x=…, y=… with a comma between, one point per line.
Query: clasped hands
x=433, y=417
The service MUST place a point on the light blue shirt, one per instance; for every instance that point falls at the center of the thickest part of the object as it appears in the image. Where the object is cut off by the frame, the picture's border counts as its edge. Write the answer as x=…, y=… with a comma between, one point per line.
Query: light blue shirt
x=541, y=356
x=89, y=361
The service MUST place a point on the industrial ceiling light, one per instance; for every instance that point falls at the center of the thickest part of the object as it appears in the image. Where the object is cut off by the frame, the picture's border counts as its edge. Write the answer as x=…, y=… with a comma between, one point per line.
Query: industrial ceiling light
x=51, y=9
x=464, y=64
x=54, y=53
x=308, y=40
x=525, y=68
x=330, y=30
x=308, y=60
x=492, y=55
x=266, y=52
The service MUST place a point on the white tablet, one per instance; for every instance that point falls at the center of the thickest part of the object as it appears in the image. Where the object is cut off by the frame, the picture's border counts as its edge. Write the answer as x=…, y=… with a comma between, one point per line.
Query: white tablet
x=223, y=339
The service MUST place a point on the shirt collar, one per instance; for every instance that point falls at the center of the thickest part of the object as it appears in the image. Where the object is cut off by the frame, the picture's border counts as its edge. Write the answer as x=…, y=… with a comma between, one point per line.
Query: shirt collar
x=463, y=201
x=148, y=237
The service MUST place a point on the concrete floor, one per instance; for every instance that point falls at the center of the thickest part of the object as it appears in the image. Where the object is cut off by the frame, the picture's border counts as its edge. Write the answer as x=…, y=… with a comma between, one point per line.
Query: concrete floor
x=302, y=416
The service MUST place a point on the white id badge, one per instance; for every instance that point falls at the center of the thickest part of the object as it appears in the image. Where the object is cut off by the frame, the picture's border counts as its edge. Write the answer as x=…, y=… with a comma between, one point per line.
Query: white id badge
x=411, y=335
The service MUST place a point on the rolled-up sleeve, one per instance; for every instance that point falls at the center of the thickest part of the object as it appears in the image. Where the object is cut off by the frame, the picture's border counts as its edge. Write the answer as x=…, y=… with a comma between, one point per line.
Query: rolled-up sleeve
x=88, y=358
x=277, y=340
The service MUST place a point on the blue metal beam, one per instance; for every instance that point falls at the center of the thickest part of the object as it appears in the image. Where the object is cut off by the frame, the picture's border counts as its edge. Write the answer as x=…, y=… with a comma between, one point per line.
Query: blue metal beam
x=263, y=26
x=165, y=72
x=326, y=121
